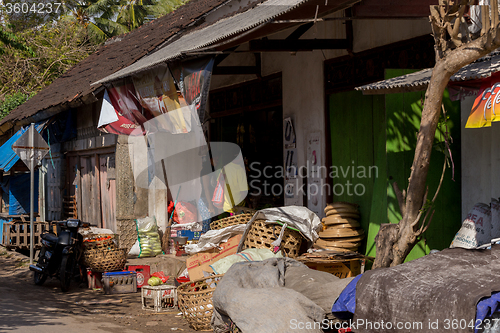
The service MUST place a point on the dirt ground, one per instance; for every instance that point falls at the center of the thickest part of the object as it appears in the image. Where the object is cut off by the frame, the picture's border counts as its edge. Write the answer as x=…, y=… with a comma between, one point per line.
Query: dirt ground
x=25, y=307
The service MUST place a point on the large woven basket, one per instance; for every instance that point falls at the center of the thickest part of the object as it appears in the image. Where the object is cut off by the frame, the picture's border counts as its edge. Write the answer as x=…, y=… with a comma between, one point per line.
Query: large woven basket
x=102, y=260
x=231, y=220
x=101, y=241
x=261, y=235
x=195, y=301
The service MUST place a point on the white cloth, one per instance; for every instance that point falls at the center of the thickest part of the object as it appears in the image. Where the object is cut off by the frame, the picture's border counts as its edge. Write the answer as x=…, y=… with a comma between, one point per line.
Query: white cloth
x=212, y=238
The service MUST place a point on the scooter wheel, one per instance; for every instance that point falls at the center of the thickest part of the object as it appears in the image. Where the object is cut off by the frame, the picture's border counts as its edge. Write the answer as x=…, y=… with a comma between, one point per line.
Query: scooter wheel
x=66, y=272
x=39, y=278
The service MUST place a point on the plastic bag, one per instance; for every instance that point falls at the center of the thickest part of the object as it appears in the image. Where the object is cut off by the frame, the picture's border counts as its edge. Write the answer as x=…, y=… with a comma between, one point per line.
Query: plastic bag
x=135, y=250
x=154, y=281
x=185, y=212
x=161, y=276
x=149, y=239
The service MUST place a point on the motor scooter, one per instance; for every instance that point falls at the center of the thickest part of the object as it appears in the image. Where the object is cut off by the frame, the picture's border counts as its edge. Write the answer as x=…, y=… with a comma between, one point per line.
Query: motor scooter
x=60, y=255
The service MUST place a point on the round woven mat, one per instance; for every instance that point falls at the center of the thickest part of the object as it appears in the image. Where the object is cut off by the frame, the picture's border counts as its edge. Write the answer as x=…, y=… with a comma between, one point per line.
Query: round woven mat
x=335, y=220
x=344, y=215
x=331, y=242
x=344, y=232
x=341, y=205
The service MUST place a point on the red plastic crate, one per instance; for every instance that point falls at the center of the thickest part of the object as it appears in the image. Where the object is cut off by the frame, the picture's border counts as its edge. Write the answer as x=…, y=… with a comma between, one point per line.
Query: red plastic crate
x=94, y=279
x=143, y=274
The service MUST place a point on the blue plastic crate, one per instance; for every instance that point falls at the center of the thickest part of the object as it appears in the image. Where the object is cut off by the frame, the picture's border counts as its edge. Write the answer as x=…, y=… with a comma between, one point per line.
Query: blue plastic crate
x=191, y=235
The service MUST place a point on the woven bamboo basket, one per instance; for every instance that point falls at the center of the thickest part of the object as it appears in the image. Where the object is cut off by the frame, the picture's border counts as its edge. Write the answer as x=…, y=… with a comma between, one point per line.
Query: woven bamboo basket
x=195, y=301
x=101, y=260
x=231, y=220
x=261, y=235
x=92, y=242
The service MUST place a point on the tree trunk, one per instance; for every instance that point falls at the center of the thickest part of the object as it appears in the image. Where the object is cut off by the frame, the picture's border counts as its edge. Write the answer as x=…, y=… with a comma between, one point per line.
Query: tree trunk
x=395, y=241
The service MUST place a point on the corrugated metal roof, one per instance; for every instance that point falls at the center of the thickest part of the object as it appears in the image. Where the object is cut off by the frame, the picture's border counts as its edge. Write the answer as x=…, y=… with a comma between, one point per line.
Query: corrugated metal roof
x=220, y=30
x=7, y=156
x=480, y=69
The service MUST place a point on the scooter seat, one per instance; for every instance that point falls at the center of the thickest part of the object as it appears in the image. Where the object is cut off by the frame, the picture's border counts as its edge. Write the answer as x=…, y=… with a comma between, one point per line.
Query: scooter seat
x=49, y=237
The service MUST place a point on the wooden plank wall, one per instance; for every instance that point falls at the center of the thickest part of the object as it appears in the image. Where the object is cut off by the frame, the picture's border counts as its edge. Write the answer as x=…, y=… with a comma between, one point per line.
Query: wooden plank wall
x=54, y=189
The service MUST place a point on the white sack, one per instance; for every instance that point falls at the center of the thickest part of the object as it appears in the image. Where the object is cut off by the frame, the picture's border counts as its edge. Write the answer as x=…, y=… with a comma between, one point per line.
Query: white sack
x=476, y=228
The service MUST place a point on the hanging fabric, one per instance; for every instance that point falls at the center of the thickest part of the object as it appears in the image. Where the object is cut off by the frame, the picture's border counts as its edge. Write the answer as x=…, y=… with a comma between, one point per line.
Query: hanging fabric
x=193, y=79
x=121, y=112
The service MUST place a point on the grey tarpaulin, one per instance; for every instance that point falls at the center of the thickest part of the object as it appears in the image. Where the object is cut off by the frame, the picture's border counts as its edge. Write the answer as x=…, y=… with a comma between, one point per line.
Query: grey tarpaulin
x=273, y=295
x=301, y=218
x=443, y=287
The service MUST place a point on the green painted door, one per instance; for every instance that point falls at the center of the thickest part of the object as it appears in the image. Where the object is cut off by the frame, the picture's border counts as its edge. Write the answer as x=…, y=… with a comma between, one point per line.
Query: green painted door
x=358, y=169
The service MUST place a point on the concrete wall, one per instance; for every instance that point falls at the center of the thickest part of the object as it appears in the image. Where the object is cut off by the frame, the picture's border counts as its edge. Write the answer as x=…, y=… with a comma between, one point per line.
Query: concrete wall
x=480, y=161
x=373, y=33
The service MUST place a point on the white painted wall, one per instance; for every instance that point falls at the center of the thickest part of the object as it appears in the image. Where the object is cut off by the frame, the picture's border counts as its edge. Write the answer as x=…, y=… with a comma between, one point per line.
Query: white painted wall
x=480, y=161
x=373, y=33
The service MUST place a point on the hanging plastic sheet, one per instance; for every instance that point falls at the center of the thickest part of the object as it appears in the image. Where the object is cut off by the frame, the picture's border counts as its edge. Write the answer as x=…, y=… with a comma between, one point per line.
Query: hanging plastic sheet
x=193, y=78
x=156, y=92
x=121, y=112
x=19, y=194
x=485, y=109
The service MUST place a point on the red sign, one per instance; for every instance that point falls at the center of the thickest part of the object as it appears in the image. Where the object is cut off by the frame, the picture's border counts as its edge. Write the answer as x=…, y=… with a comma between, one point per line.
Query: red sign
x=486, y=109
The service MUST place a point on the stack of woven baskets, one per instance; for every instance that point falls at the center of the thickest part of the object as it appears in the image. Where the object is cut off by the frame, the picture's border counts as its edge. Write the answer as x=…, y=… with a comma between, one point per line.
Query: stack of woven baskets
x=231, y=220
x=341, y=228
x=102, y=255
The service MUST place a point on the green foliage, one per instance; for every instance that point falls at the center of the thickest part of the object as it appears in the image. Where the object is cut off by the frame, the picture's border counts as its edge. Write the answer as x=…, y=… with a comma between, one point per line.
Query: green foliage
x=108, y=18
x=11, y=102
x=35, y=57
x=8, y=38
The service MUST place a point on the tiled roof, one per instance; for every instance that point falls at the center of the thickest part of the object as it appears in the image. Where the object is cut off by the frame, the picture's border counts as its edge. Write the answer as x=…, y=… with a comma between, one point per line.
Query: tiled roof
x=122, y=51
x=482, y=68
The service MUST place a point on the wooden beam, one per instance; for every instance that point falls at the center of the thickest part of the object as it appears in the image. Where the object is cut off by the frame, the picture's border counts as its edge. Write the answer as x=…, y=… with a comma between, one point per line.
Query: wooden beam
x=297, y=33
x=280, y=45
x=235, y=70
x=349, y=31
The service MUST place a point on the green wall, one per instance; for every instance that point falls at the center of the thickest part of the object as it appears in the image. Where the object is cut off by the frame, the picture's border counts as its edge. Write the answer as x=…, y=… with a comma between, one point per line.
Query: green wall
x=380, y=131
x=357, y=125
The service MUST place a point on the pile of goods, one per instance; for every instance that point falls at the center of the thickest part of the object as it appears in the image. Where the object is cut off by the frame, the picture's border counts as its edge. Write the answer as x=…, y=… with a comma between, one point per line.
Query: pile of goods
x=341, y=228
x=101, y=254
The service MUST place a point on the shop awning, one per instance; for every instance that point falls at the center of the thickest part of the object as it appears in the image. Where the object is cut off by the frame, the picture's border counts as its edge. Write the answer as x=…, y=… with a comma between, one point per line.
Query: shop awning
x=221, y=30
x=7, y=156
x=418, y=81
